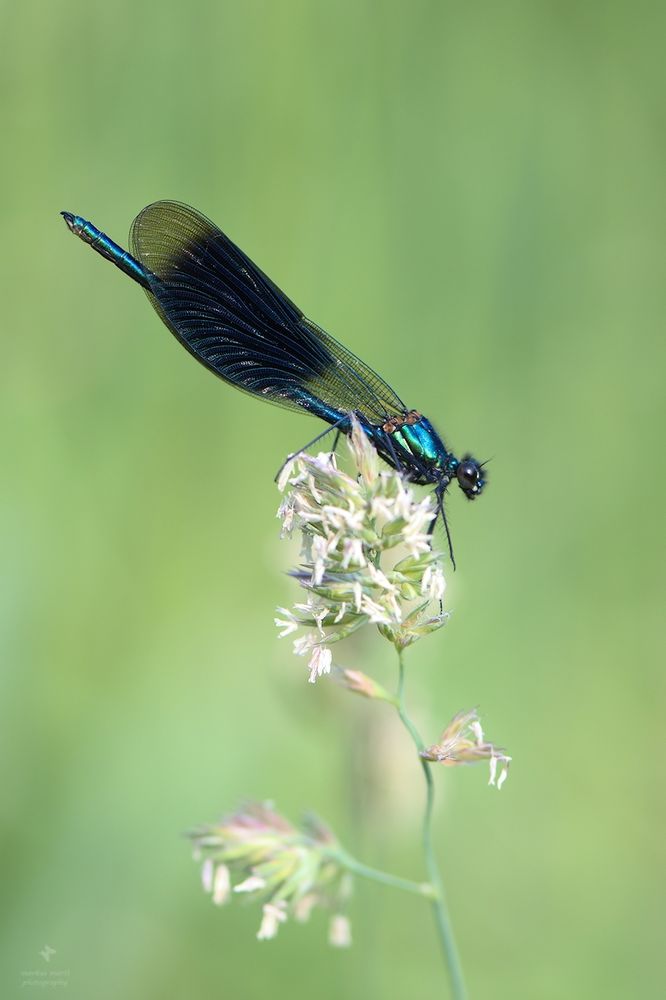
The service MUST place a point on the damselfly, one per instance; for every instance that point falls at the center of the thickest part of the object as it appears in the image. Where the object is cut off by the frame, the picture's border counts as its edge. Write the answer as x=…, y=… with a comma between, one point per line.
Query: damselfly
x=237, y=323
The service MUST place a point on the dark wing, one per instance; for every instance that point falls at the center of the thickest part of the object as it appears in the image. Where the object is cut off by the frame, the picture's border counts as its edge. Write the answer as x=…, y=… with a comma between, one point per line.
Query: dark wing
x=237, y=323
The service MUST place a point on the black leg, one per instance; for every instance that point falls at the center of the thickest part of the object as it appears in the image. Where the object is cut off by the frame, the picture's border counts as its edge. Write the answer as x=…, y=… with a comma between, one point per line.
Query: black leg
x=437, y=513
x=397, y=464
x=334, y=427
x=446, y=527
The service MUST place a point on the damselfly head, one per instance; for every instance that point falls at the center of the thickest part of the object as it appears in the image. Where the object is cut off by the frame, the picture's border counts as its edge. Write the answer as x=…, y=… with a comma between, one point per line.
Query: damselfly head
x=471, y=478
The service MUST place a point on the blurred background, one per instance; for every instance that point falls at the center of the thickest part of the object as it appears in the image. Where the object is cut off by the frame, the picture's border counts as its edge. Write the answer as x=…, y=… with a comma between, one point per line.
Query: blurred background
x=471, y=198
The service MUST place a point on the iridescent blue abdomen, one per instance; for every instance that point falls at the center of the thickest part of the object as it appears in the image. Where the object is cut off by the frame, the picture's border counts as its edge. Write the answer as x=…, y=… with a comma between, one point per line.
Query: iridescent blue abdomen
x=105, y=246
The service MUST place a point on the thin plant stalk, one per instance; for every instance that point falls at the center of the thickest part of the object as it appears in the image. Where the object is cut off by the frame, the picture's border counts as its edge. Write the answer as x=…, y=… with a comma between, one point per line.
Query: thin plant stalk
x=422, y=889
x=440, y=910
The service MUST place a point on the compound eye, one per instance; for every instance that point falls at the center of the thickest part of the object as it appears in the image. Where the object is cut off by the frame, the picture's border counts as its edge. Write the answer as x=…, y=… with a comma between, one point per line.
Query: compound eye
x=468, y=475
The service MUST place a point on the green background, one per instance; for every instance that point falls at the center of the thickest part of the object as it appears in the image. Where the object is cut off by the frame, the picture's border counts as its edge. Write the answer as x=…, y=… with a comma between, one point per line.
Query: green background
x=472, y=198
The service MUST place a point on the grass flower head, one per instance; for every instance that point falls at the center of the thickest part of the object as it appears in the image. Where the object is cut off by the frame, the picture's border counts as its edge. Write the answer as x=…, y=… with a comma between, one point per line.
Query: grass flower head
x=288, y=870
x=463, y=742
x=366, y=554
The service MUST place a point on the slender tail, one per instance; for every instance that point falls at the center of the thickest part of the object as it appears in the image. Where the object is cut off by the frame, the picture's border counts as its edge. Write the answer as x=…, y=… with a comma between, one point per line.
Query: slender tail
x=100, y=242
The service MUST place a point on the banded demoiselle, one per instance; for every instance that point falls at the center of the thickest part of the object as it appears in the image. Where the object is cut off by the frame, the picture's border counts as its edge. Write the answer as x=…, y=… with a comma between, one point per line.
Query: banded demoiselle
x=233, y=319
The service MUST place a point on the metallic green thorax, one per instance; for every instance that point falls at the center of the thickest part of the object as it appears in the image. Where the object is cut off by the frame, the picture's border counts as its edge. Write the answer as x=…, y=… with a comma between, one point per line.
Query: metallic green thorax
x=420, y=441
